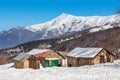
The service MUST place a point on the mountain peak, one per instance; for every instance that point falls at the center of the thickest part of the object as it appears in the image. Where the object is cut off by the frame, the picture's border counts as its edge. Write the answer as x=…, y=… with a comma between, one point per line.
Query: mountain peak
x=61, y=25
x=64, y=15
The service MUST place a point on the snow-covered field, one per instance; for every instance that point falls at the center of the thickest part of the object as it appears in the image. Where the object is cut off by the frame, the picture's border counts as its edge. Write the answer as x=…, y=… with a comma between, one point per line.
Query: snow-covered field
x=107, y=71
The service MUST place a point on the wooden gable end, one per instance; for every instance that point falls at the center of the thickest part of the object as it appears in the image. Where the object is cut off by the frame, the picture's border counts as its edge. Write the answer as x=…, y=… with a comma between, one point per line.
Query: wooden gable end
x=42, y=55
x=54, y=55
x=32, y=57
x=34, y=62
x=103, y=56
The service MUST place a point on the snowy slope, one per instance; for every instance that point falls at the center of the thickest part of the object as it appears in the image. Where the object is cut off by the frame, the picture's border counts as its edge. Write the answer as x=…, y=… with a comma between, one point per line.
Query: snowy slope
x=108, y=71
x=63, y=24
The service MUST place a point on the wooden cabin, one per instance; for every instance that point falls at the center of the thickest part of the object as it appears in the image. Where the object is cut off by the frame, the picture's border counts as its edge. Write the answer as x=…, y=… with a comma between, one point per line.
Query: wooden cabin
x=36, y=57
x=45, y=57
x=21, y=61
x=29, y=59
x=88, y=56
x=50, y=58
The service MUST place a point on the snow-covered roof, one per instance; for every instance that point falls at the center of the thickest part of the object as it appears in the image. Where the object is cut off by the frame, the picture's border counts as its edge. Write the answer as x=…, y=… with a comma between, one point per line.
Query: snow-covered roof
x=84, y=52
x=22, y=57
x=36, y=51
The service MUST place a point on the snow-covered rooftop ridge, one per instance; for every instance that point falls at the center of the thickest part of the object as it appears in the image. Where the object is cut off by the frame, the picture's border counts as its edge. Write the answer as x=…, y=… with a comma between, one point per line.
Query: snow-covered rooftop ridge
x=36, y=51
x=22, y=57
x=84, y=52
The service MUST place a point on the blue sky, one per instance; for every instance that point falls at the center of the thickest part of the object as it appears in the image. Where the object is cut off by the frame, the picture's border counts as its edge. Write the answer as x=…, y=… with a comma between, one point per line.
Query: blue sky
x=28, y=12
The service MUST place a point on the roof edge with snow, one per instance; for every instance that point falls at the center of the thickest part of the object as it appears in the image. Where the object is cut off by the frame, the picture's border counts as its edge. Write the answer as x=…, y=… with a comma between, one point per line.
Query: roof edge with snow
x=84, y=52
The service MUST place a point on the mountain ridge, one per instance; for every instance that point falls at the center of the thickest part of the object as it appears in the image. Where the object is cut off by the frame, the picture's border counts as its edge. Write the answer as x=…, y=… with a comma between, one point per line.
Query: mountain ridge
x=61, y=25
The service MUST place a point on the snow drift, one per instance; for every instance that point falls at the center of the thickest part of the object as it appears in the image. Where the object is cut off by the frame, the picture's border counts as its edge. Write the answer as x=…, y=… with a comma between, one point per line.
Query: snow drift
x=107, y=71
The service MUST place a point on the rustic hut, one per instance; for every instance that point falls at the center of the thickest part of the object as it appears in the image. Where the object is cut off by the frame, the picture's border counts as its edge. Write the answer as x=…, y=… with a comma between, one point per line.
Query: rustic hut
x=89, y=56
x=29, y=59
x=36, y=57
x=21, y=61
x=51, y=58
x=45, y=57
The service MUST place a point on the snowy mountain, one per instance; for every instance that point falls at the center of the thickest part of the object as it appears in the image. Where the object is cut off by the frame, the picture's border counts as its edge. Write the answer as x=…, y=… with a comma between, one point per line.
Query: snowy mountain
x=61, y=25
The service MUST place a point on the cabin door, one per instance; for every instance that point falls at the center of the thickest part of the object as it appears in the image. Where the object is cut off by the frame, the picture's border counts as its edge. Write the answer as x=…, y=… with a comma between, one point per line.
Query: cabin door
x=34, y=64
x=102, y=59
